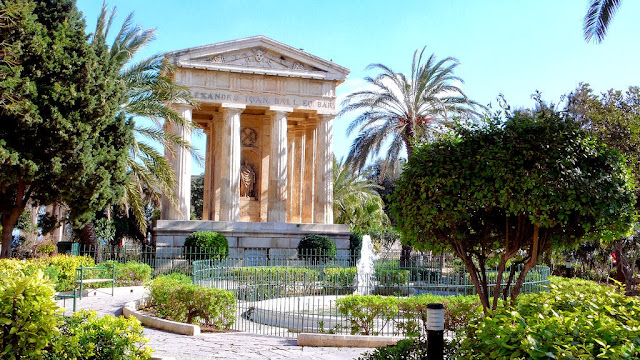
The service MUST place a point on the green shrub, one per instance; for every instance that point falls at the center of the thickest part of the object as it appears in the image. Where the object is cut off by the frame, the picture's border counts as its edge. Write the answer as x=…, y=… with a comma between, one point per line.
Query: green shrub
x=317, y=248
x=66, y=266
x=178, y=277
x=61, y=269
x=408, y=313
x=131, y=273
x=85, y=335
x=576, y=319
x=202, y=245
x=175, y=299
x=407, y=349
x=28, y=319
x=392, y=277
x=340, y=280
x=362, y=310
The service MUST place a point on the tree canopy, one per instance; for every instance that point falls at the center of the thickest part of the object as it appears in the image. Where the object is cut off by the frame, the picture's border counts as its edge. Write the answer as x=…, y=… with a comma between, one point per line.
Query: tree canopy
x=507, y=190
x=62, y=138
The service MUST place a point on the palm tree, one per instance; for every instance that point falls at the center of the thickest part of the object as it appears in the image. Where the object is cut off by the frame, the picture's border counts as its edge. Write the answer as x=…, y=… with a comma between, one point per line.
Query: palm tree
x=356, y=201
x=597, y=19
x=403, y=109
x=149, y=87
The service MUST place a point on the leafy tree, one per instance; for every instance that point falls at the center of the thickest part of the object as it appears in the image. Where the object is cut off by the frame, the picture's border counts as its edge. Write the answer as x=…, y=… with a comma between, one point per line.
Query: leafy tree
x=356, y=201
x=61, y=138
x=614, y=117
x=508, y=190
x=598, y=17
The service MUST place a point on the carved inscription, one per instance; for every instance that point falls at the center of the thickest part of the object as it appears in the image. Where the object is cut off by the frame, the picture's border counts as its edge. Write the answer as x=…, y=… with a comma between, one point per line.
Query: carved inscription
x=292, y=101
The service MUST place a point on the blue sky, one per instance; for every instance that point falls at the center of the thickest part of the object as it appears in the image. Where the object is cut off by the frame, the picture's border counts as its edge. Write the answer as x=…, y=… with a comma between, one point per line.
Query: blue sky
x=510, y=47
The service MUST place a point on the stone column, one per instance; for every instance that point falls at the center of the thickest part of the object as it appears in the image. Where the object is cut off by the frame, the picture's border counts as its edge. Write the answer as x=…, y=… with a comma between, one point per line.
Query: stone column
x=277, y=208
x=208, y=205
x=298, y=175
x=230, y=162
x=323, y=208
x=309, y=171
x=180, y=160
x=291, y=151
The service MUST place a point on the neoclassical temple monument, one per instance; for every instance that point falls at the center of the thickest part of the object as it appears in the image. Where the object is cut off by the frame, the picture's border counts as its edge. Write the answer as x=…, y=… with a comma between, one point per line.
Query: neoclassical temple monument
x=267, y=110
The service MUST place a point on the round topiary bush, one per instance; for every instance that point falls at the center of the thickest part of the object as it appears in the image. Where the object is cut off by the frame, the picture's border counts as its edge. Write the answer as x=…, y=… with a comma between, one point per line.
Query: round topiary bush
x=317, y=248
x=202, y=245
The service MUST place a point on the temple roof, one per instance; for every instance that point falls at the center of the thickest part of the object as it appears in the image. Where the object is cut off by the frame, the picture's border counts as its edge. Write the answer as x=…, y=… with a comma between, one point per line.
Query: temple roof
x=258, y=55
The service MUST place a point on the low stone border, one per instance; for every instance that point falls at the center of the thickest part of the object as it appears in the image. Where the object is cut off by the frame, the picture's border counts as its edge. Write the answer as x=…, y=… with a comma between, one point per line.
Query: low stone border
x=359, y=341
x=131, y=309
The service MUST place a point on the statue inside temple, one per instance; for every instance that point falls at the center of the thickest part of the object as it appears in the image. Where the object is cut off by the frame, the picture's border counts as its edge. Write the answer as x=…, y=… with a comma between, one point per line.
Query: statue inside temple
x=248, y=177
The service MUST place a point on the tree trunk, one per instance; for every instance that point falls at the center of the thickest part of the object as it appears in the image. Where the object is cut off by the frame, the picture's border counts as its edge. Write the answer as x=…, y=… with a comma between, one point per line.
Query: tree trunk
x=89, y=240
x=624, y=273
x=405, y=256
x=517, y=287
x=8, y=224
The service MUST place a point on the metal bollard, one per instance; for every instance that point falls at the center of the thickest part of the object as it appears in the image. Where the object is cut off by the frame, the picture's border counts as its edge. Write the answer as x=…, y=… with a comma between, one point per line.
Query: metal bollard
x=435, y=331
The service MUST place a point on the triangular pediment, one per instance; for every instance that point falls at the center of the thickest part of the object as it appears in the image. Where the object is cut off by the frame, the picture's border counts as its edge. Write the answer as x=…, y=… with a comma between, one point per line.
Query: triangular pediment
x=259, y=55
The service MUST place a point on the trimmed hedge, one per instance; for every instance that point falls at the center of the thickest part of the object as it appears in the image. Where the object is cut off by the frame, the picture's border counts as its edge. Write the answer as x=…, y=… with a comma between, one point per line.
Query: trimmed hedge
x=408, y=313
x=261, y=283
x=131, y=273
x=340, y=280
x=176, y=299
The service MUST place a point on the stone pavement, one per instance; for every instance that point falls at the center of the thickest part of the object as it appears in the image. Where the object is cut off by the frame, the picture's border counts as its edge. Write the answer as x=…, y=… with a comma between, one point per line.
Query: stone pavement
x=233, y=345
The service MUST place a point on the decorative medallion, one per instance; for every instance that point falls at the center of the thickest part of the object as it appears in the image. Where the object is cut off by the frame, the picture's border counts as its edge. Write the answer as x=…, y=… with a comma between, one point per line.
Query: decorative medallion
x=248, y=137
x=218, y=59
x=259, y=55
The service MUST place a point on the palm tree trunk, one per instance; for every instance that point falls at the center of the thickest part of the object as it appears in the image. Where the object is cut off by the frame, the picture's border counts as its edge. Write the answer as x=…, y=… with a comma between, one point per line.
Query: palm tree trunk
x=405, y=254
x=89, y=240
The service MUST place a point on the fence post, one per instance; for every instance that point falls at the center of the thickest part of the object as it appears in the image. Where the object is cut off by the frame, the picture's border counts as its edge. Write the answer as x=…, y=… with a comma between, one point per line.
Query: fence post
x=435, y=331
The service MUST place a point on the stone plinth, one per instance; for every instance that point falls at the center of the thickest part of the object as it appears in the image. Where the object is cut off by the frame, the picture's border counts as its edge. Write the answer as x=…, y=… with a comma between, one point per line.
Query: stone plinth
x=249, y=235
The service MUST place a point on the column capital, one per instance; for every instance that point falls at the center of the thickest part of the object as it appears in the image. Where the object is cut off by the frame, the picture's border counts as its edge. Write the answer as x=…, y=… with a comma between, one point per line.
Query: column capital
x=280, y=109
x=232, y=108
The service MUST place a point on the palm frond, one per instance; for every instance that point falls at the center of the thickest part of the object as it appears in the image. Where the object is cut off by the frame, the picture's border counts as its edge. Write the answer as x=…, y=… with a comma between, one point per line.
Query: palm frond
x=598, y=17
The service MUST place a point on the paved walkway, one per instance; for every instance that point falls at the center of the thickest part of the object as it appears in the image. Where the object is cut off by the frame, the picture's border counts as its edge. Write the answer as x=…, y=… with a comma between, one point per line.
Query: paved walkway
x=210, y=345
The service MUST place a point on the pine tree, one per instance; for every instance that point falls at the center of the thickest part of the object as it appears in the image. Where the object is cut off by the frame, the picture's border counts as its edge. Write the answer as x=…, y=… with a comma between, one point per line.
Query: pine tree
x=62, y=136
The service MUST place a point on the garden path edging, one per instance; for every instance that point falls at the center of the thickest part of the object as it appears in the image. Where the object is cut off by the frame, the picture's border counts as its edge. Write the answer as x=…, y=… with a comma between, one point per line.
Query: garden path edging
x=131, y=309
x=359, y=341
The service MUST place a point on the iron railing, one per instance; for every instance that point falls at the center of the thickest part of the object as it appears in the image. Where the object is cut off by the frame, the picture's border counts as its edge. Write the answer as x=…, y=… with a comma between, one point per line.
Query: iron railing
x=283, y=292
